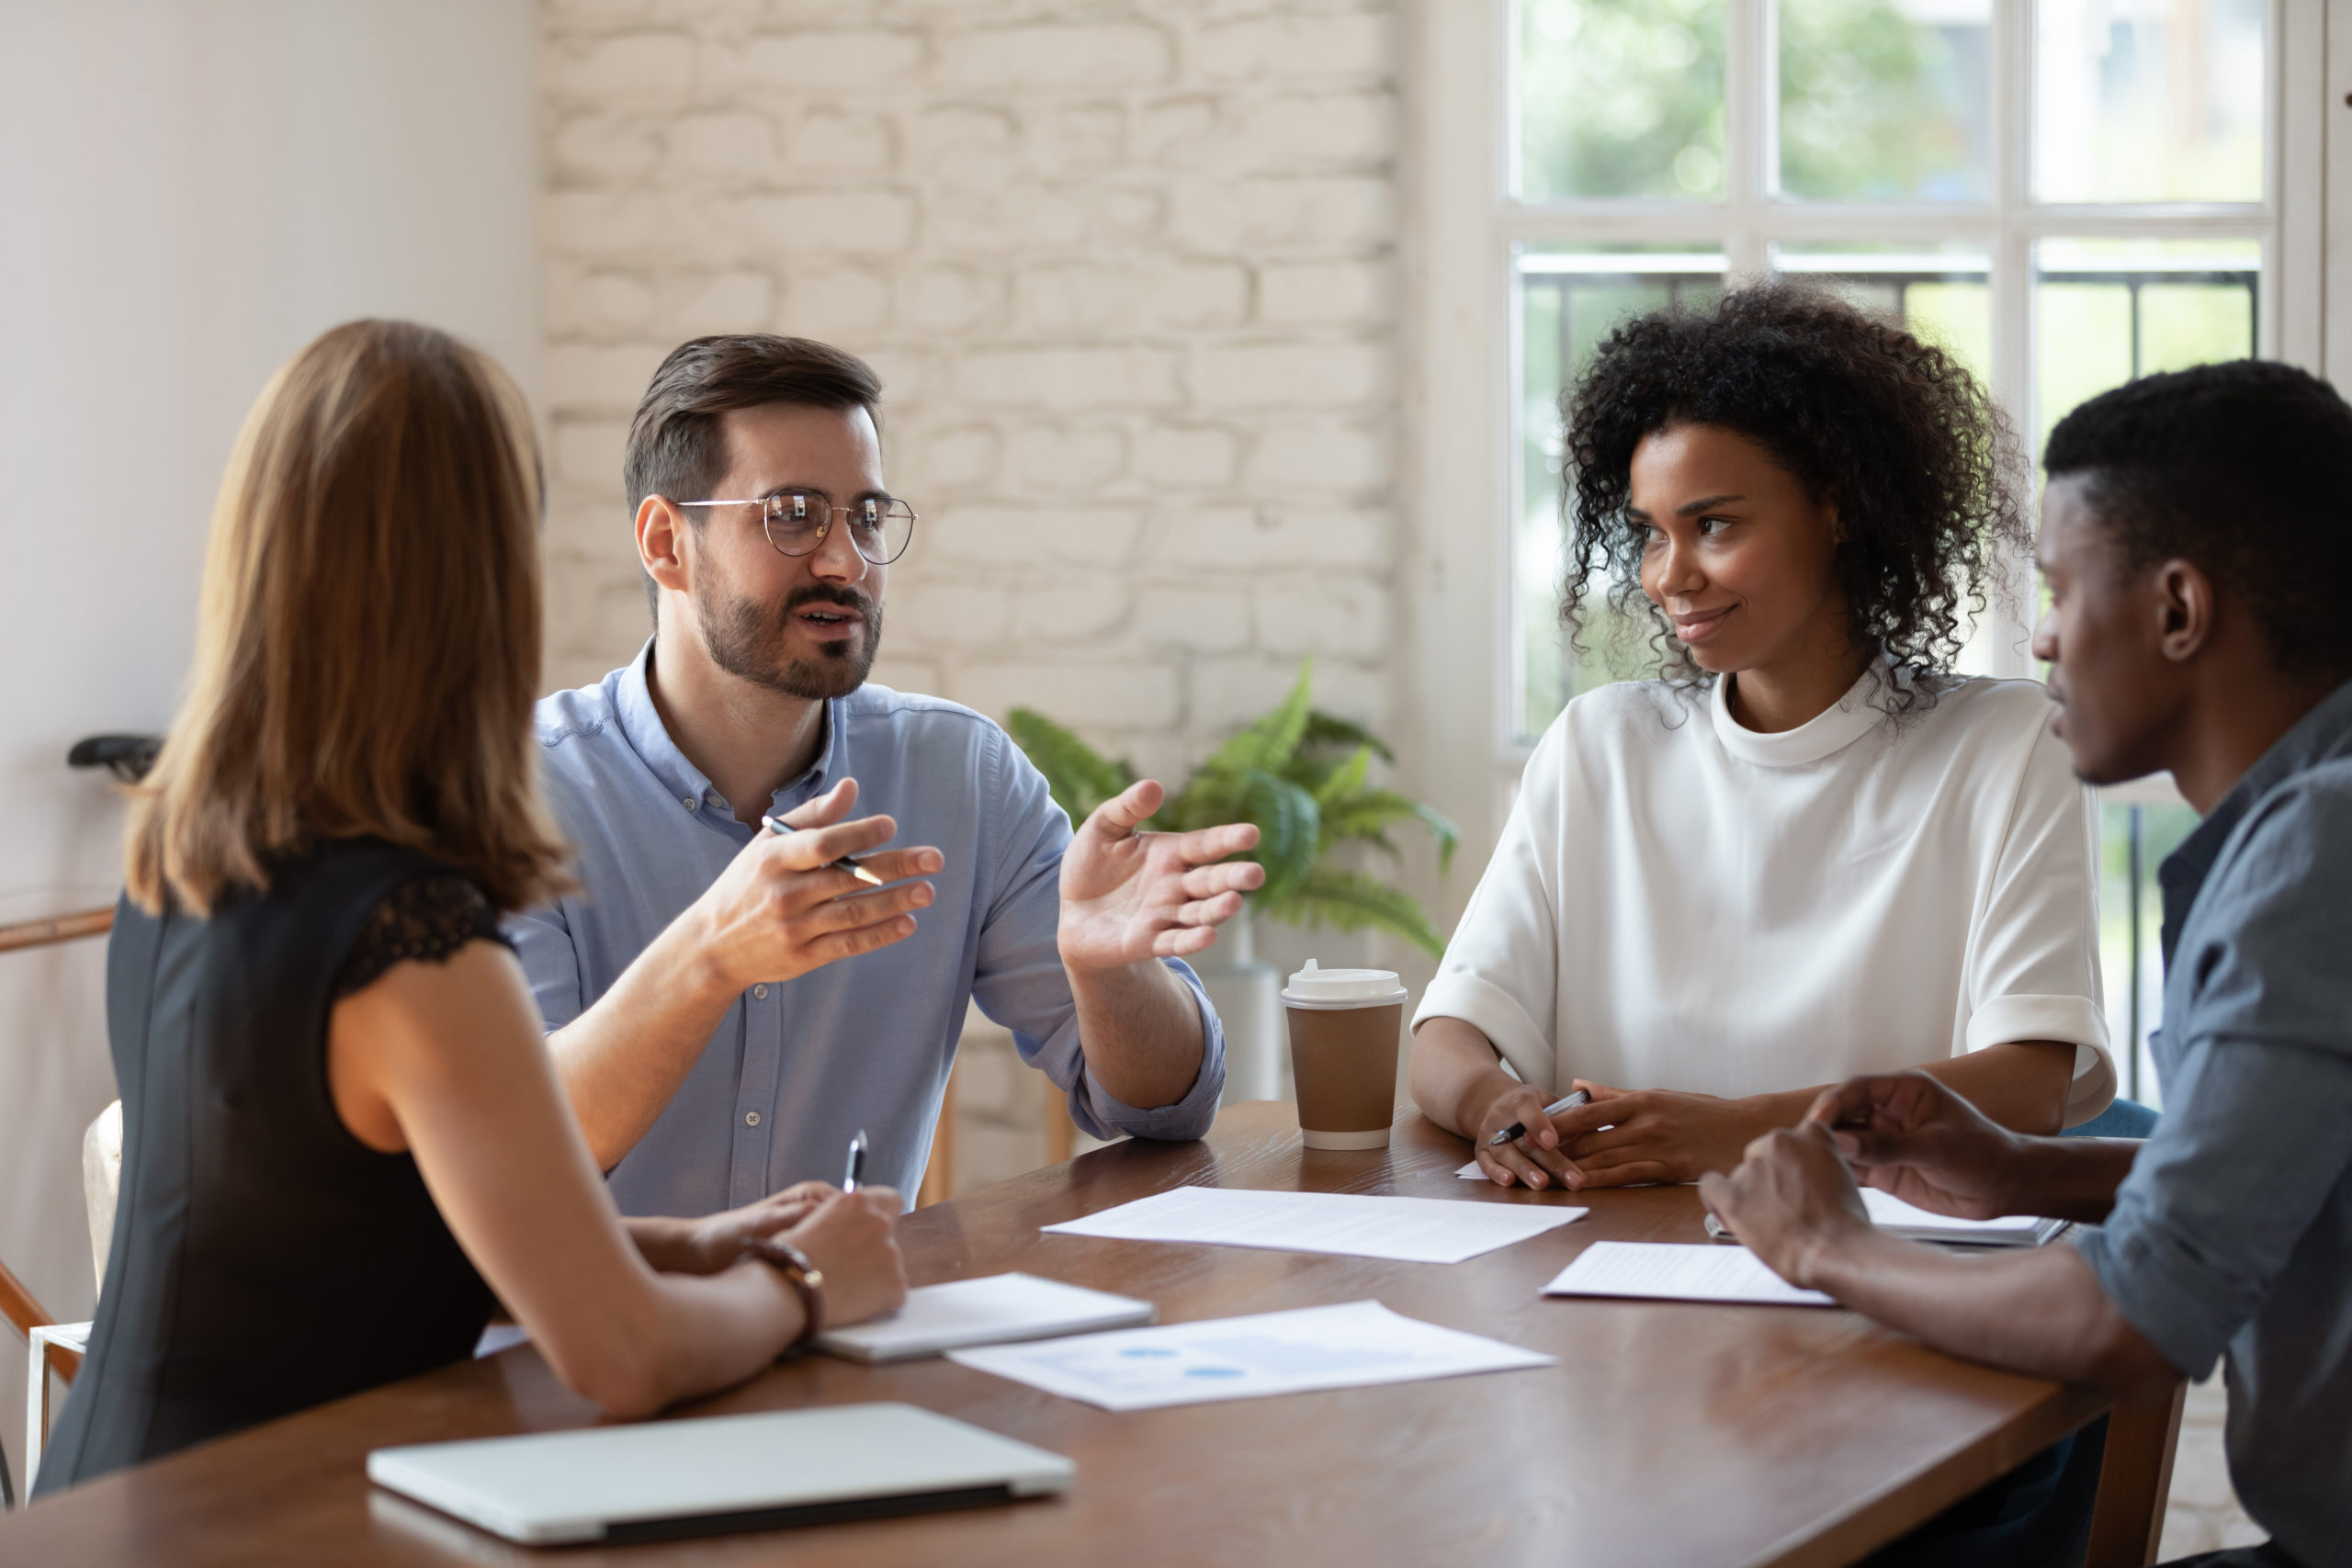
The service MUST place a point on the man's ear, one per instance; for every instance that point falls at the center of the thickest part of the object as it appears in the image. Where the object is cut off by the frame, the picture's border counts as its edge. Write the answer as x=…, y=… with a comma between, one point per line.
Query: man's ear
x=661, y=542
x=2185, y=606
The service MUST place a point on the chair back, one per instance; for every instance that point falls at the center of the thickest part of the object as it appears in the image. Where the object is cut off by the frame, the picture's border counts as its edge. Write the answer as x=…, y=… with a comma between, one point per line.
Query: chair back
x=102, y=1182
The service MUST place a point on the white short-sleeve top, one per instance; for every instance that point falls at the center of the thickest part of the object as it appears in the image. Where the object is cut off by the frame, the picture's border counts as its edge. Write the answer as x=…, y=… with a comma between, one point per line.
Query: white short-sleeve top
x=1678, y=902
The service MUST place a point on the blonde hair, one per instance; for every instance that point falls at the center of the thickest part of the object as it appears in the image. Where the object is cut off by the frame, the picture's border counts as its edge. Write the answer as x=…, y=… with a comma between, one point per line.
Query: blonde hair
x=367, y=640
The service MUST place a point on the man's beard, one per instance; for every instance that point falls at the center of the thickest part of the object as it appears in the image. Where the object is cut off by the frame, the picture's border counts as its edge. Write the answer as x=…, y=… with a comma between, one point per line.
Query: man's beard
x=745, y=638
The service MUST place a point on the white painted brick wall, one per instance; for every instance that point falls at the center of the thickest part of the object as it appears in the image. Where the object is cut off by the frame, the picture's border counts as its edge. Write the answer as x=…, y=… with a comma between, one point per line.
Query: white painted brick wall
x=1128, y=270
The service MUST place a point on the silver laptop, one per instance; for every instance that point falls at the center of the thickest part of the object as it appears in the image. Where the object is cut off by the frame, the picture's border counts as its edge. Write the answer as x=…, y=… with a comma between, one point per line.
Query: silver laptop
x=660, y=1479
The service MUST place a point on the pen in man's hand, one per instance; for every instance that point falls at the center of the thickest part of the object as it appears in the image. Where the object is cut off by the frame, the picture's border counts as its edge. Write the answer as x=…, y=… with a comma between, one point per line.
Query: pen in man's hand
x=856, y=1171
x=779, y=826
x=1518, y=1130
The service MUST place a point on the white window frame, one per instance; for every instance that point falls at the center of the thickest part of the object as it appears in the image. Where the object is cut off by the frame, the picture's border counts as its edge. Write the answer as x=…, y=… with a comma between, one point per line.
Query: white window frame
x=1462, y=462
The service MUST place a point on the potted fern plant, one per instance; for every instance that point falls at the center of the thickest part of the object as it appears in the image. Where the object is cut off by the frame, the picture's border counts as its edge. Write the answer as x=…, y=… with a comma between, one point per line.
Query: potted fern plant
x=1304, y=776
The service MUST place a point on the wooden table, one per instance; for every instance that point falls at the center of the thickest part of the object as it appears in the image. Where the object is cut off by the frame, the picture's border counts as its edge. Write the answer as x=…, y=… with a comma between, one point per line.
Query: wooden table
x=1670, y=1433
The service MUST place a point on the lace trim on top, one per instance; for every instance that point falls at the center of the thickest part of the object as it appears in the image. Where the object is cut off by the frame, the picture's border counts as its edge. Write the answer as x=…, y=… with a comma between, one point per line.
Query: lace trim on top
x=425, y=921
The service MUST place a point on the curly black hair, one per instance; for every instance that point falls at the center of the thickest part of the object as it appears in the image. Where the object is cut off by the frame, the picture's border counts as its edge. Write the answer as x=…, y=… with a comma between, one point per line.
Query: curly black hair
x=1924, y=469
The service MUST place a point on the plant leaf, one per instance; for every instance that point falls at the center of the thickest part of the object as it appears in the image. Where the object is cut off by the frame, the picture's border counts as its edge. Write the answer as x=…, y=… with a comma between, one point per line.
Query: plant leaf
x=1349, y=901
x=1290, y=834
x=1269, y=743
x=1345, y=780
x=1368, y=813
x=1081, y=777
x=1326, y=730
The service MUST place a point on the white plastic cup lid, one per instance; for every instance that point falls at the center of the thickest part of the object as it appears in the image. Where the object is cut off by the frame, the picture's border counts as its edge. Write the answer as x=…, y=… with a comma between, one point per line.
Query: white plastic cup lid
x=1316, y=987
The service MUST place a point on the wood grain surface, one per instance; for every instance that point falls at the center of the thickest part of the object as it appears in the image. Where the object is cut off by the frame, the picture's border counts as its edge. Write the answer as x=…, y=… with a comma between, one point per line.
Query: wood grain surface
x=1669, y=1433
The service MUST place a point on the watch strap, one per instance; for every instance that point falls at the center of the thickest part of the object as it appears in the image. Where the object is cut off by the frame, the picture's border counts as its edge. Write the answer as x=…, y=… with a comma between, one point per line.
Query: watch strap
x=807, y=1282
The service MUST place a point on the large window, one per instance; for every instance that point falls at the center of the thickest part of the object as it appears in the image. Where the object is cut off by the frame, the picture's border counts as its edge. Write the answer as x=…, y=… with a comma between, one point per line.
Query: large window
x=2065, y=193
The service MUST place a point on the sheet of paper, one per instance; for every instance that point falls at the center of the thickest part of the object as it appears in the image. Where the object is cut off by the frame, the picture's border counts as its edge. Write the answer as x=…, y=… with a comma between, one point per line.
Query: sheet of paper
x=1351, y=1346
x=1408, y=1230
x=1471, y=1172
x=1704, y=1271
x=1887, y=1208
x=992, y=1310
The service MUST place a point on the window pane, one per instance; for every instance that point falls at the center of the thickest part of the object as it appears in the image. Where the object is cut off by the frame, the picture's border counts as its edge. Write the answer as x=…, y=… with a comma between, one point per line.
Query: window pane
x=1943, y=295
x=2107, y=310
x=1621, y=98
x=1569, y=300
x=2149, y=100
x=1886, y=100
x=2130, y=916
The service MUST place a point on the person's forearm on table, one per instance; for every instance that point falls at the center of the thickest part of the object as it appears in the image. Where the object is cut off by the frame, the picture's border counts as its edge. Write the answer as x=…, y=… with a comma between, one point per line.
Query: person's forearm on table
x=1454, y=1074
x=623, y=1060
x=1139, y=1028
x=2041, y=1311
x=2022, y=1084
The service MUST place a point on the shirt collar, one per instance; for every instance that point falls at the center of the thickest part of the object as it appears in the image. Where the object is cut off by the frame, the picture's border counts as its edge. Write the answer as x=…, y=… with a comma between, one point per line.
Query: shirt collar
x=641, y=725
x=1833, y=730
x=2323, y=733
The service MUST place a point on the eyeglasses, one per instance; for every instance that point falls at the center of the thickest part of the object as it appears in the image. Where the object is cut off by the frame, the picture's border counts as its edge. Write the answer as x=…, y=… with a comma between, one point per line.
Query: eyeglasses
x=797, y=521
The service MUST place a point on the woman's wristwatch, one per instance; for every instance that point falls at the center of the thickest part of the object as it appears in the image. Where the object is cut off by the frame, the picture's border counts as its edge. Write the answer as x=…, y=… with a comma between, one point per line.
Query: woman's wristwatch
x=807, y=1282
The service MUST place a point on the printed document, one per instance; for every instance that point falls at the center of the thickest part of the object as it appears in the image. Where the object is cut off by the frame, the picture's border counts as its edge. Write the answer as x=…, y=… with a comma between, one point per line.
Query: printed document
x=1352, y=1345
x=1408, y=1230
x=1671, y=1272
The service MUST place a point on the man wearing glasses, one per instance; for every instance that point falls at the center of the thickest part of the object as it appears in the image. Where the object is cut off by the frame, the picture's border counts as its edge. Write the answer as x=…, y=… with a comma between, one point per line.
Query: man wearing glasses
x=727, y=1003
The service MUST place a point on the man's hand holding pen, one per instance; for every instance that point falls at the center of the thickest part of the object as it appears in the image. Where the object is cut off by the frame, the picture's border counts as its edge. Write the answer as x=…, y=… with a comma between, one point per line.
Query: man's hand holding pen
x=783, y=907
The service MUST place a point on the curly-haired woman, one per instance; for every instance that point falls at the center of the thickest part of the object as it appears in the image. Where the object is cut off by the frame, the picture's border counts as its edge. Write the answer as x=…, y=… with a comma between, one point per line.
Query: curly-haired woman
x=1806, y=852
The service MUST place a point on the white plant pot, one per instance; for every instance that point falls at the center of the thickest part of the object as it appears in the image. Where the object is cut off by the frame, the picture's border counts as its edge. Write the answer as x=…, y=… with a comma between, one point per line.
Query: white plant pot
x=1247, y=996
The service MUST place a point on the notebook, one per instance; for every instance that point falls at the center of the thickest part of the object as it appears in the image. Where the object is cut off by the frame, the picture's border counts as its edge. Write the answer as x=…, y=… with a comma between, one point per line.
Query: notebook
x=995, y=1310
x=656, y=1480
x=1896, y=1217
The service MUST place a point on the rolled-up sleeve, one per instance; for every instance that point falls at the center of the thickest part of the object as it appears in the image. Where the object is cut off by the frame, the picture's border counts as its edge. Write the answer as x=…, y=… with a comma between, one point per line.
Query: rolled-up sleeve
x=2254, y=1138
x=2033, y=953
x=1501, y=972
x=1018, y=982
x=2258, y=1124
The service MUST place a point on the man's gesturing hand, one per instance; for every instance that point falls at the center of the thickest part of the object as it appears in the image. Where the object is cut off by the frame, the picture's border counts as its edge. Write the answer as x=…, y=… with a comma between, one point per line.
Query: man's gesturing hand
x=1909, y=1135
x=1128, y=897
x=780, y=910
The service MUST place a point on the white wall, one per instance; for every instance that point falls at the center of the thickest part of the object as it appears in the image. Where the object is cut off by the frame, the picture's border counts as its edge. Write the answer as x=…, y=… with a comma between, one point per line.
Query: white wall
x=189, y=190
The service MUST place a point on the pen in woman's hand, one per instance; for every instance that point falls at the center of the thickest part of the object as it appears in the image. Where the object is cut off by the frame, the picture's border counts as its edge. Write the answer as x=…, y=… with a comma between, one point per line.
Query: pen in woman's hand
x=856, y=1171
x=1518, y=1130
x=777, y=825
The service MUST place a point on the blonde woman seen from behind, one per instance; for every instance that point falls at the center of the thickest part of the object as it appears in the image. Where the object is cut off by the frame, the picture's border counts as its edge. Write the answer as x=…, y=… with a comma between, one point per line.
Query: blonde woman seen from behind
x=339, y=1116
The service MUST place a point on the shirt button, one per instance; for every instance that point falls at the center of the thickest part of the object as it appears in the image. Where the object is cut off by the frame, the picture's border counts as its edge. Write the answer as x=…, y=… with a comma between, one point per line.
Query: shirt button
x=687, y=801
x=760, y=992
x=750, y=1118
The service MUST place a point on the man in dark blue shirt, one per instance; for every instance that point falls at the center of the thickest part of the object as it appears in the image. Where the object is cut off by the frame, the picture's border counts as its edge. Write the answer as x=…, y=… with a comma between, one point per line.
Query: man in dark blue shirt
x=2194, y=542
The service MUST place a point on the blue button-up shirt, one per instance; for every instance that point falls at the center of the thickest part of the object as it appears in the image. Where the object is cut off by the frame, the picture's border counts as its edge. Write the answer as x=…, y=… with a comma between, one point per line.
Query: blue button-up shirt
x=796, y=1067
x=2233, y=1232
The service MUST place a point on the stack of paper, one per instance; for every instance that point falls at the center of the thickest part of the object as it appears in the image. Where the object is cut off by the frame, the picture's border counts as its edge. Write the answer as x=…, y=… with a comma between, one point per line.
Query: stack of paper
x=990, y=1311
x=1409, y=1230
x=1247, y=1357
x=1672, y=1272
x=1892, y=1214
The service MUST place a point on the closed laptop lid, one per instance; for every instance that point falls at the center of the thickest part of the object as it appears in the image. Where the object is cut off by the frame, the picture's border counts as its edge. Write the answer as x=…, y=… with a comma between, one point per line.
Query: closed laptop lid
x=667, y=1478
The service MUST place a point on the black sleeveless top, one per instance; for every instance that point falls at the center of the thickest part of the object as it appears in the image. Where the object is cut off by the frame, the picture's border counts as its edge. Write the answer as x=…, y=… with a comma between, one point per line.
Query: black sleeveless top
x=264, y=1260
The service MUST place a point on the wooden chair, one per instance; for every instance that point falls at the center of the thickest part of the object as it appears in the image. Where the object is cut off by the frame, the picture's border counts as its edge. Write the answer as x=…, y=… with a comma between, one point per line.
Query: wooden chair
x=2135, y=1481
x=59, y=1356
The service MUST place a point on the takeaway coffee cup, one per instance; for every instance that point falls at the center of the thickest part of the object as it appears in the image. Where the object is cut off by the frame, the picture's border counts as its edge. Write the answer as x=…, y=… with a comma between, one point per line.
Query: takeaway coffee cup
x=1343, y=1028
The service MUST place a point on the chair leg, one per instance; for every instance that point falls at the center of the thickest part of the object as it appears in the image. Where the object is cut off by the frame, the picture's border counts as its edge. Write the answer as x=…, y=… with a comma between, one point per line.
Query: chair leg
x=2128, y=1522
